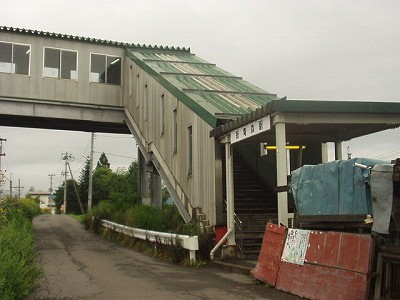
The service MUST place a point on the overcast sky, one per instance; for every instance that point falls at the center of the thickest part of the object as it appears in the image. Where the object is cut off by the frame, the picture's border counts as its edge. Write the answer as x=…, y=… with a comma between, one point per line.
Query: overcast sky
x=309, y=49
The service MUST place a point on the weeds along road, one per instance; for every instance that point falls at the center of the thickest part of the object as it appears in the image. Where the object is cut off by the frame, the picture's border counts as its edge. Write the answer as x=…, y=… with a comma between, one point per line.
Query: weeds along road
x=80, y=265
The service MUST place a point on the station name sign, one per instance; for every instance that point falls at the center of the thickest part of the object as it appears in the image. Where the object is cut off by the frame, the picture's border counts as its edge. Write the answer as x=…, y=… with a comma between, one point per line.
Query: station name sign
x=251, y=129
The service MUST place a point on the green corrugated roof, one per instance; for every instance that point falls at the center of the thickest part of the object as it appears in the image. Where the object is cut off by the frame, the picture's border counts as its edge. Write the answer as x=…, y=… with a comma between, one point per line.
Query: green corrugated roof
x=208, y=90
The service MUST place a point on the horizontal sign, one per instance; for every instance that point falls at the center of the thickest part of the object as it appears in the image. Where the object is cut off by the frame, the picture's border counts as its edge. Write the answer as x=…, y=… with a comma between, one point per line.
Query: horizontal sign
x=251, y=129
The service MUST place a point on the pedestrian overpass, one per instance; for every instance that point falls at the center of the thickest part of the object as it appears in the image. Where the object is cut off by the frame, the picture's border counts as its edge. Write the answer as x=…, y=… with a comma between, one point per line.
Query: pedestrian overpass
x=193, y=122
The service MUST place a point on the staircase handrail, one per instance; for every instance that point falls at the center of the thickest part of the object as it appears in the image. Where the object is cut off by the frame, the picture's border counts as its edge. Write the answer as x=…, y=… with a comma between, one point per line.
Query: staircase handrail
x=239, y=226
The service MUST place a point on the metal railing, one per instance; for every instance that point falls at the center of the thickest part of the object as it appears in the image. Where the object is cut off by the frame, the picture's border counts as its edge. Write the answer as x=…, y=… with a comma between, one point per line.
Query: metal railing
x=190, y=243
x=239, y=231
x=239, y=228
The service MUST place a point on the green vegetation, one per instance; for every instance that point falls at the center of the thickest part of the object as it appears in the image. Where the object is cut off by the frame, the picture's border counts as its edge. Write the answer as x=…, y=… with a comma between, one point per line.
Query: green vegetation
x=119, y=186
x=115, y=198
x=18, y=273
x=165, y=219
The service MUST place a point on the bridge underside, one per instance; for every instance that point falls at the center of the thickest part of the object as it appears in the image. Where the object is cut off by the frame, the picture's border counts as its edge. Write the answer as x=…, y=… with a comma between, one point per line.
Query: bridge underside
x=62, y=116
x=47, y=114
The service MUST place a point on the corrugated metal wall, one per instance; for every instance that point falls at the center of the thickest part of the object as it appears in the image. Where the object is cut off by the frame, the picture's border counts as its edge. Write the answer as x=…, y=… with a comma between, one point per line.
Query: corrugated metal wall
x=143, y=99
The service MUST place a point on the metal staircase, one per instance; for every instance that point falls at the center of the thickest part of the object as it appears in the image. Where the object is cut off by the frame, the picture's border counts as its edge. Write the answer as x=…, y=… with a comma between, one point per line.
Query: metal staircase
x=255, y=205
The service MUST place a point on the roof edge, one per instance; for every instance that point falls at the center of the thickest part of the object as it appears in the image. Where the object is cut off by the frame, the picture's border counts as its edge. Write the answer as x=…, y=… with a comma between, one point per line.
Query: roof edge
x=307, y=106
x=76, y=38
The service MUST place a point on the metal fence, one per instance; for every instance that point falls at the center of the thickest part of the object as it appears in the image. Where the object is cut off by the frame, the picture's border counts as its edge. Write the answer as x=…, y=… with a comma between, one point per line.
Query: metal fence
x=190, y=243
x=387, y=281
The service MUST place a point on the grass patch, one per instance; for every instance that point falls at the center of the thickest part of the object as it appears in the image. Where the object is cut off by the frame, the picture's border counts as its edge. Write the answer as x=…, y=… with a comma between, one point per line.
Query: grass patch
x=18, y=273
x=79, y=218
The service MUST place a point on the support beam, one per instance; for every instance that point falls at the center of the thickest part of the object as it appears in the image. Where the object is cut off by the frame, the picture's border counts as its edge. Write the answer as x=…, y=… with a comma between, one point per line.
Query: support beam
x=281, y=167
x=155, y=189
x=338, y=150
x=324, y=150
x=144, y=180
x=230, y=206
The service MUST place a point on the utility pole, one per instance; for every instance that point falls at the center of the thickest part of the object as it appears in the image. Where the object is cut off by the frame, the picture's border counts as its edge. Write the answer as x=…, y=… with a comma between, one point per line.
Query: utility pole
x=90, y=189
x=19, y=188
x=1, y=154
x=65, y=156
x=51, y=181
x=10, y=186
x=76, y=189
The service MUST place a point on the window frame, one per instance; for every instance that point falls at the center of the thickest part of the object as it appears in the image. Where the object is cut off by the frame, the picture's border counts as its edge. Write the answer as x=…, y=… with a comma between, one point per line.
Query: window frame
x=174, y=128
x=12, y=58
x=105, y=69
x=190, y=150
x=162, y=114
x=146, y=102
x=60, y=63
x=137, y=85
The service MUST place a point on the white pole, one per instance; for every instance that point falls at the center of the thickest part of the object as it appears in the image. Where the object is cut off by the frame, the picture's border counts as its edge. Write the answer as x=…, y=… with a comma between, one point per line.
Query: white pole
x=281, y=167
x=230, y=209
x=90, y=188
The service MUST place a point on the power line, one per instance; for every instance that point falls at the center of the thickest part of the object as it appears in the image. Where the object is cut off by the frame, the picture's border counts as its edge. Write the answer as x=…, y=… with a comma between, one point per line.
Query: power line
x=117, y=155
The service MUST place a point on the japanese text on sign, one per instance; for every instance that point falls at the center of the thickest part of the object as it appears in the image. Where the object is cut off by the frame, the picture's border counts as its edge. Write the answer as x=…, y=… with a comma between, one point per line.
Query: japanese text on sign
x=251, y=129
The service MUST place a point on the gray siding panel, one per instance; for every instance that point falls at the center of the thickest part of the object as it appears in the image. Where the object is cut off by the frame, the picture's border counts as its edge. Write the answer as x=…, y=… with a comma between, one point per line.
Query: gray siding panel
x=36, y=87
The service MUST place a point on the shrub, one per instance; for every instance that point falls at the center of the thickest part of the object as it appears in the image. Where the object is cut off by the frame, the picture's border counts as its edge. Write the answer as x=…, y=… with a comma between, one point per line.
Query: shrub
x=141, y=216
x=30, y=207
x=18, y=273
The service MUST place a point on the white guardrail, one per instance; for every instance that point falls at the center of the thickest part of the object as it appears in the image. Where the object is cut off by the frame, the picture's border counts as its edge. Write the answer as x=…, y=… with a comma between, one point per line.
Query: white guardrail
x=190, y=243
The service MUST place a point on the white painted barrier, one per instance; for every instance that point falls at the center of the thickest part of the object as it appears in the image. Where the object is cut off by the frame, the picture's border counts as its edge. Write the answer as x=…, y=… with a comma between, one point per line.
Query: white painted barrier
x=190, y=243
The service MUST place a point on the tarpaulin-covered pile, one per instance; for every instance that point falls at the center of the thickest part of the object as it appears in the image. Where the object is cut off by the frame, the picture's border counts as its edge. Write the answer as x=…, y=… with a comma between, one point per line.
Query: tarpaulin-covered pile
x=334, y=188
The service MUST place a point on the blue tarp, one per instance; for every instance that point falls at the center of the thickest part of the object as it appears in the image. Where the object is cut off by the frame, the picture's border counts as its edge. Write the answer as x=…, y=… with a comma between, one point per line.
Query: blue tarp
x=333, y=188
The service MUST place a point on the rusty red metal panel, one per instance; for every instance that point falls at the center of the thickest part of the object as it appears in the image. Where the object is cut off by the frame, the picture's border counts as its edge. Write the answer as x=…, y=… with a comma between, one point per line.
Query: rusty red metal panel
x=331, y=251
x=340, y=250
x=269, y=259
x=355, y=251
x=316, y=246
x=321, y=282
x=323, y=248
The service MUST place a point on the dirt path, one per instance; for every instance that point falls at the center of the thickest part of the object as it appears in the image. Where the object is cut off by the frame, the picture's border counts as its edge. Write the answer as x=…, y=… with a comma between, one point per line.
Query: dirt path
x=80, y=265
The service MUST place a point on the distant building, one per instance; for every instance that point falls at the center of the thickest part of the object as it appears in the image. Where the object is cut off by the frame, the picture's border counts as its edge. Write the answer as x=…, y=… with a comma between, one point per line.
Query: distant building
x=46, y=199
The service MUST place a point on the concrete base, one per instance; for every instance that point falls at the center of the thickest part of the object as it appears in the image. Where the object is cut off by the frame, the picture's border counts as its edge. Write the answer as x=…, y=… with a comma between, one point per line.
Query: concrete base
x=228, y=252
x=146, y=201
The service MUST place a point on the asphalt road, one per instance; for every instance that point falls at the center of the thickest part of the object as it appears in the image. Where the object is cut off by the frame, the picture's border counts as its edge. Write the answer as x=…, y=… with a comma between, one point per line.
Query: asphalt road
x=80, y=265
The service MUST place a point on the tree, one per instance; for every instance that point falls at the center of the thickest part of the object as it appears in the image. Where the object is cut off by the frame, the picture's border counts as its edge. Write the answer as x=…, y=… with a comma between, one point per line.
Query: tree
x=101, y=184
x=84, y=181
x=72, y=199
x=103, y=161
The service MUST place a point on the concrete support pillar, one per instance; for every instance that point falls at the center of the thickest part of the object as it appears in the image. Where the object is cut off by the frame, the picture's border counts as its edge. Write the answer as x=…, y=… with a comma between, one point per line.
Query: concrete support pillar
x=281, y=167
x=338, y=150
x=230, y=207
x=324, y=150
x=155, y=189
x=144, y=180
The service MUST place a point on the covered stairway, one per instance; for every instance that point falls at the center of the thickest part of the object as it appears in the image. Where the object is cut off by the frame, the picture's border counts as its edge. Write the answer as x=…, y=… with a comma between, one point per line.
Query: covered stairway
x=255, y=205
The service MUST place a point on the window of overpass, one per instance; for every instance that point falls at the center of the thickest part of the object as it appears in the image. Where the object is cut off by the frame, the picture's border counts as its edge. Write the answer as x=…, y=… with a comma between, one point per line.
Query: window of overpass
x=105, y=69
x=14, y=58
x=162, y=114
x=174, y=131
x=59, y=63
x=190, y=150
